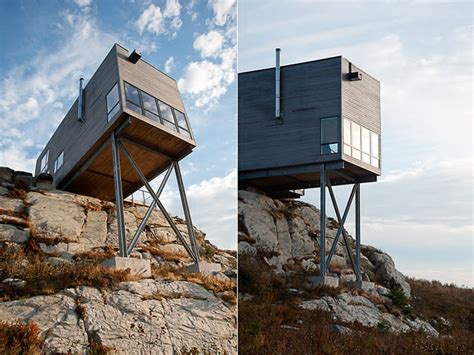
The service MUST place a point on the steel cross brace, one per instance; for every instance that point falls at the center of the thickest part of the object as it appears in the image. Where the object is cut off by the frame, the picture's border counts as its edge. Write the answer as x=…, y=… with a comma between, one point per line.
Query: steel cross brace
x=341, y=229
x=124, y=251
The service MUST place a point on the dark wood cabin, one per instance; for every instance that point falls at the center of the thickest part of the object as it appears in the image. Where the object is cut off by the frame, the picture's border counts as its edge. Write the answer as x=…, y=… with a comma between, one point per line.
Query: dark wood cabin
x=330, y=113
x=129, y=95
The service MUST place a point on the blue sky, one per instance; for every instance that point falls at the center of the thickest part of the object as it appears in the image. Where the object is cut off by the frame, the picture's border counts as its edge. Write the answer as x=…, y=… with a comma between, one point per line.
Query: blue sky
x=420, y=210
x=47, y=45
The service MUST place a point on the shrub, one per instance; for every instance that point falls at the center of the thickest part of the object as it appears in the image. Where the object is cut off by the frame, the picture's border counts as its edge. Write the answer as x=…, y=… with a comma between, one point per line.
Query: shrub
x=19, y=338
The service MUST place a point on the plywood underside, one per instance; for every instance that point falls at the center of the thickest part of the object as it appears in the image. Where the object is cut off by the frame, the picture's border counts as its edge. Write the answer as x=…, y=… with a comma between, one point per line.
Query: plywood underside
x=98, y=179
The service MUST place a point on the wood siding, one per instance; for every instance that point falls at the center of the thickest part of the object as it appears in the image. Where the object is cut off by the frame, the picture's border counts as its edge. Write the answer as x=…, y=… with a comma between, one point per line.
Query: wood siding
x=309, y=91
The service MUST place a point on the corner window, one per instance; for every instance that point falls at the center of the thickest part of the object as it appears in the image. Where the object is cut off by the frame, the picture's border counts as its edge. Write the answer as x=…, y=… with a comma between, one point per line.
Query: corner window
x=44, y=162
x=329, y=135
x=361, y=143
x=59, y=162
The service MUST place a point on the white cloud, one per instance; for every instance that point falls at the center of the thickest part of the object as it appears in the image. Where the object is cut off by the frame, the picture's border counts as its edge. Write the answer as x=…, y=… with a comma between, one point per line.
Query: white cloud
x=169, y=64
x=209, y=44
x=151, y=19
x=213, y=206
x=155, y=21
x=83, y=3
x=223, y=10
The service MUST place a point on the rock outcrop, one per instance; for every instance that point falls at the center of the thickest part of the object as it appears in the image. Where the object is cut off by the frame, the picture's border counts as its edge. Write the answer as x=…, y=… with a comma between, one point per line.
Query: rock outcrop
x=162, y=315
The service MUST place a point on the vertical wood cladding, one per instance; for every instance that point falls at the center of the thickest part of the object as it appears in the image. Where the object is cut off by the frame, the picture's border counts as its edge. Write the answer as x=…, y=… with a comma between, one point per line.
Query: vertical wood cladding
x=309, y=92
x=75, y=137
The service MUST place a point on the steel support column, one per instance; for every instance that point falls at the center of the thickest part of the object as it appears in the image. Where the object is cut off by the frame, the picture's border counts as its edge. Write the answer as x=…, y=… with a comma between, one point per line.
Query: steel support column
x=118, y=196
x=187, y=214
x=357, y=228
x=322, y=222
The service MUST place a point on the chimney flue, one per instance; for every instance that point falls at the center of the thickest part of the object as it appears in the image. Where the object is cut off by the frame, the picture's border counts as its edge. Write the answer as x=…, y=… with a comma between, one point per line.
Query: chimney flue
x=80, y=101
x=277, y=84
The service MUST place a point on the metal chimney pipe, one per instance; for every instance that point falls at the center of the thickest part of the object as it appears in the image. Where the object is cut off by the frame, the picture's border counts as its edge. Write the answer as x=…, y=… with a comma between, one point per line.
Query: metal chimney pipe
x=80, y=101
x=277, y=84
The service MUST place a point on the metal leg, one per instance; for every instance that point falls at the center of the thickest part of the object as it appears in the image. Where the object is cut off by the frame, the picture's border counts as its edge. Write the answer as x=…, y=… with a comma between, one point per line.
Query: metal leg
x=187, y=214
x=118, y=196
x=341, y=222
x=147, y=215
x=322, y=222
x=357, y=222
x=158, y=203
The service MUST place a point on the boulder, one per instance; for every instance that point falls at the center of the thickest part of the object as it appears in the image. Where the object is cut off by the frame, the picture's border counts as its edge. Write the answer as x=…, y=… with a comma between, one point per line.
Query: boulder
x=10, y=205
x=246, y=248
x=6, y=174
x=95, y=229
x=9, y=233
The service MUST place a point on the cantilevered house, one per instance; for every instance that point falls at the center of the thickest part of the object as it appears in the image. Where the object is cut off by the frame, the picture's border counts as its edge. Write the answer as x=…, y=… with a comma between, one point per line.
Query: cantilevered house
x=312, y=124
x=128, y=106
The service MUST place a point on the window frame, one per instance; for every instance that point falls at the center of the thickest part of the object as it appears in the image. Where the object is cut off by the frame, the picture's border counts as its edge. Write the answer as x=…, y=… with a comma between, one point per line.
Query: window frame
x=109, y=117
x=330, y=142
x=44, y=169
x=358, y=153
x=56, y=164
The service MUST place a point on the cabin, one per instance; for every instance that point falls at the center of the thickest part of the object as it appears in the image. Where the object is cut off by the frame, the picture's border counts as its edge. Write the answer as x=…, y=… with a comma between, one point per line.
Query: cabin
x=295, y=118
x=132, y=98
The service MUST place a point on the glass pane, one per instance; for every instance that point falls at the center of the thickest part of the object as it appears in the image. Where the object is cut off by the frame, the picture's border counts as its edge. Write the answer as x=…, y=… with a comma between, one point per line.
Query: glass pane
x=356, y=153
x=113, y=112
x=347, y=131
x=149, y=103
x=44, y=162
x=112, y=98
x=134, y=107
x=374, y=139
x=375, y=162
x=180, y=119
x=131, y=93
x=355, y=133
x=152, y=116
x=365, y=140
x=184, y=132
x=329, y=148
x=328, y=130
x=347, y=149
x=169, y=124
x=166, y=112
x=366, y=158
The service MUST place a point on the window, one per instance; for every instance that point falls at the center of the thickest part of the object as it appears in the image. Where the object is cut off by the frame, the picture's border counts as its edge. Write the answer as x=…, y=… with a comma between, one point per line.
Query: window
x=158, y=111
x=44, y=162
x=361, y=143
x=329, y=135
x=59, y=162
x=112, y=102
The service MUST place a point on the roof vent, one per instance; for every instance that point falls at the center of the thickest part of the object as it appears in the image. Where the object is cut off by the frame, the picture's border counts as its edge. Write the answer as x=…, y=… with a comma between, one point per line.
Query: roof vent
x=135, y=56
x=80, y=102
x=354, y=76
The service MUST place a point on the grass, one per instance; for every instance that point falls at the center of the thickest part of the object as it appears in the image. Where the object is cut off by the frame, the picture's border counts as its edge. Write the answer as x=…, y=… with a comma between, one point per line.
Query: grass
x=19, y=338
x=262, y=318
x=43, y=278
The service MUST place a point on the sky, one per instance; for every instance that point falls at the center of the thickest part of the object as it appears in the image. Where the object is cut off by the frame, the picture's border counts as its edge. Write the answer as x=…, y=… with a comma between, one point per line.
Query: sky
x=48, y=45
x=420, y=211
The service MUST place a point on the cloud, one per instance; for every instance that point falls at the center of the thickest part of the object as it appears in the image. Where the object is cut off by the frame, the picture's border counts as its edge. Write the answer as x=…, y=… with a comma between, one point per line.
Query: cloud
x=223, y=10
x=169, y=64
x=30, y=96
x=83, y=3
x=213, y=206
x=209, y=44
x=155, y=21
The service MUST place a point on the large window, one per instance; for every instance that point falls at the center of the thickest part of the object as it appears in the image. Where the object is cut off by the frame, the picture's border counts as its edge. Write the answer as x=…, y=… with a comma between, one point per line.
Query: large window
x=59, y=161
x=113, y=102
x=44, y=162
x=361, y=143
x=157, y=110
x=329, y=135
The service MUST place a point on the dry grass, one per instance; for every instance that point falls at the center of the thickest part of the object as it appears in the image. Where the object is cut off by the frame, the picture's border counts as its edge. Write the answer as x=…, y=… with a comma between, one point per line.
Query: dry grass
x=14, y=221
x=159, y=296
x=96, y=256
x=19, y=338
x=43, y=278
x=246, y=238
x=262, y=318
x=166, y=255
x=211, y=283
x=17, y=193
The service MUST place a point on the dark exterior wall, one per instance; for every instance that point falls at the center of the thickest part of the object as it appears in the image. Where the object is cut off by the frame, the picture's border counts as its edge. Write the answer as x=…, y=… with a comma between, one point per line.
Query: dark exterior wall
x=361, y=104
x=74, y=137
x=310, y=91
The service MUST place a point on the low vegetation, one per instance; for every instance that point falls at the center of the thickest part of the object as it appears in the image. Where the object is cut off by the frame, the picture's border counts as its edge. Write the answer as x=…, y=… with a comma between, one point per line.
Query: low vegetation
x=272, y=323
x=19, y=338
